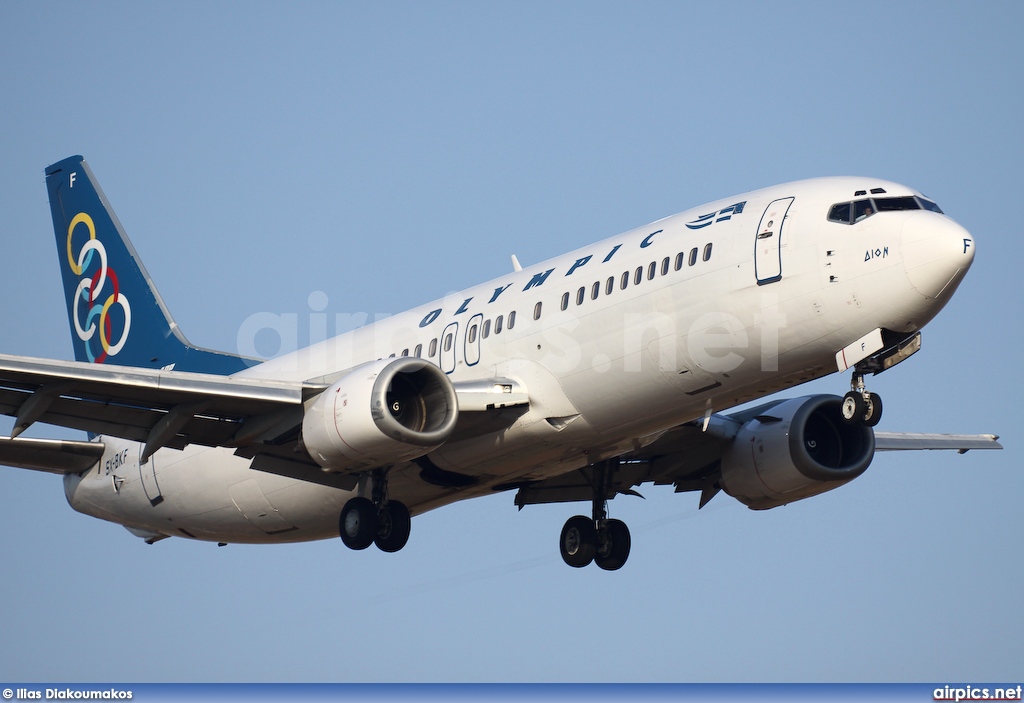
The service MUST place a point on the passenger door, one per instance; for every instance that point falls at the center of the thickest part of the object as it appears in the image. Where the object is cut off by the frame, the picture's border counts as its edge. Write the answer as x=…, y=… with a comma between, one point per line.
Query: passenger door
x=147, y=472
x=768, y=244
x=471, y=348
x=447, y=351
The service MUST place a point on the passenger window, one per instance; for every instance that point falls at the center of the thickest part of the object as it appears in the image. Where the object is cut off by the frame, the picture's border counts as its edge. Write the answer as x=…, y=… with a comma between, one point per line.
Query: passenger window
x=405, y=352
x=580, y=295
x=651, y=270
x=625, y=280
x=391, y=355
x=497, y=324
x=664, y=266
x=680, y=258
x=840, y=213
x=487, y=329
x=536, y=311
x=862, y=209
x=433, y=348
x=448, y=342
x=609, y=285
x=512, y=319
x=418, y=351
x=565, y=300
x=693, y=256
x=472, y=334
x=707, y=251
x=595, y=290
x=638, y=275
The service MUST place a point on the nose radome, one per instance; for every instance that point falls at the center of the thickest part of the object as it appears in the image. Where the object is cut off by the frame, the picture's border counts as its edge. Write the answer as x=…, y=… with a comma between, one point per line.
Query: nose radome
x=936, y=253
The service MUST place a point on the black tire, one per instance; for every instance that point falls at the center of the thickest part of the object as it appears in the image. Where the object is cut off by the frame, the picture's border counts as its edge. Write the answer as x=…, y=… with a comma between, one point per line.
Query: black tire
x=854, y=408
x=358, y=523
x=393, y=527
x=874, y=411
x=614, y=542
x=578, y=543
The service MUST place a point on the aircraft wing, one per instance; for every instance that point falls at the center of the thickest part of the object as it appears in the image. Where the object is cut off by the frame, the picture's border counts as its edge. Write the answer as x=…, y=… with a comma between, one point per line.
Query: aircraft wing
x=158, y=408
x=166, y=408
x=56, y=456
x=962, y=443
x=685, y=456
x=689, y=457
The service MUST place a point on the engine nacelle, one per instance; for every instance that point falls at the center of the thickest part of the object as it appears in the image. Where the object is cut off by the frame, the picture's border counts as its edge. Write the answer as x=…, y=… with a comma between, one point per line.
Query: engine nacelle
x=795, y=450
x=381, y=413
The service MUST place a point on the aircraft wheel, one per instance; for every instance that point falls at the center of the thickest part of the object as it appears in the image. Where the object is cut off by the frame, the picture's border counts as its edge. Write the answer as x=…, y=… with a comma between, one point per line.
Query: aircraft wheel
x=854, y=408
x=393, y=527
x=579, y=541
x=874, y=411
x=613, y=545
x=358, y=523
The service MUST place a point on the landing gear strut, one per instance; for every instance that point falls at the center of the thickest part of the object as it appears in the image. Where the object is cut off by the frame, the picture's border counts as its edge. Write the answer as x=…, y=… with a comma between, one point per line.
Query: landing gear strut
x=859, y=406
x=596, y=539
x=379, y=521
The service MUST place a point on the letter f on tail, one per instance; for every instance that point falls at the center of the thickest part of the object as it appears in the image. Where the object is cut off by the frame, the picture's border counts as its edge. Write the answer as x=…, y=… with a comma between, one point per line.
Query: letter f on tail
x=114, y=310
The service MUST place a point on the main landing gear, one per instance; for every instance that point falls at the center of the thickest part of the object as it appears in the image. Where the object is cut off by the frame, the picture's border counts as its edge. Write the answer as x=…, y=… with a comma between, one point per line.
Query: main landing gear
x=379, y=521
x=596, y=539
x=604, y=542
x=859, y=406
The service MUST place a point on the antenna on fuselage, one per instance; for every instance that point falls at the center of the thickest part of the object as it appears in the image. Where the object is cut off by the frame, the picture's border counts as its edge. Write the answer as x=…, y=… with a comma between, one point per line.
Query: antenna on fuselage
x=516, y=266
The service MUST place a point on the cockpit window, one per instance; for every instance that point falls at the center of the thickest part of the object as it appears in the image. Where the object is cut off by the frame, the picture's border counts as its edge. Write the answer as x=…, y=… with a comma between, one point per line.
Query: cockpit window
x=890, y=204
x=840, y=213
x=862, y=210
x=859, y=210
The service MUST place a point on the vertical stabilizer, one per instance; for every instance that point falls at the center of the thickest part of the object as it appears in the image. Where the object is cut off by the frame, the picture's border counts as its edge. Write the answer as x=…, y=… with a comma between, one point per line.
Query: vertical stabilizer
x=115, y=312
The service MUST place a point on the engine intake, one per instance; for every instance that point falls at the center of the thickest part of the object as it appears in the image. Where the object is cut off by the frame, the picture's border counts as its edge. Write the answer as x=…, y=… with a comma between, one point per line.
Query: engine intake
x=381, y=413
x=794, y=450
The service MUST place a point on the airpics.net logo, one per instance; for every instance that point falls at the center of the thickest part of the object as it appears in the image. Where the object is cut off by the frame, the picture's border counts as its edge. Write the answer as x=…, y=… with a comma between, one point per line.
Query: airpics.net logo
x=712, y=342
x=977, y=693
x=97, y=297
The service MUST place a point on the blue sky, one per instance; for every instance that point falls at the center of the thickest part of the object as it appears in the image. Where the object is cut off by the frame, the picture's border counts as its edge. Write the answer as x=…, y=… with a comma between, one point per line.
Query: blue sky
x=387, y=154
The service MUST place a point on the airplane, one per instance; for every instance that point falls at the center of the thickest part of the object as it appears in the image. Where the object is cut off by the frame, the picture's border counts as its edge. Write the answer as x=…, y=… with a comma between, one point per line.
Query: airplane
x=576, y=379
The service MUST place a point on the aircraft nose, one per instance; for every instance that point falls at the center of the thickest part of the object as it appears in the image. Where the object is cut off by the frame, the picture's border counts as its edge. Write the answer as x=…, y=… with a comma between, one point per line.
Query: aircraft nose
x=936, y=253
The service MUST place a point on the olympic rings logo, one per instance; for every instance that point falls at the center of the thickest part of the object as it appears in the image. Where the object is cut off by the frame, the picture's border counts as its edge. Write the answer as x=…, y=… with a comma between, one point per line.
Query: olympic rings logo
x=89, y=295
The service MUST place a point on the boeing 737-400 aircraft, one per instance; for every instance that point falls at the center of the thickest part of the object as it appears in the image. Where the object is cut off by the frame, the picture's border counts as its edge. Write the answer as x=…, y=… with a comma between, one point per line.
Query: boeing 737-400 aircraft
x=575, y=379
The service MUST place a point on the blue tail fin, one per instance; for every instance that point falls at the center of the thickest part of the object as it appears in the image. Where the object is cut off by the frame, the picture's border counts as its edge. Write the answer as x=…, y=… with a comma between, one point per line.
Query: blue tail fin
x=115, y=311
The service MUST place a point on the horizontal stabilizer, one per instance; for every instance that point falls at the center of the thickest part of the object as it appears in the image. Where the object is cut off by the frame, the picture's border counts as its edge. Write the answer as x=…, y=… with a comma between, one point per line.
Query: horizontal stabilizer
x=57, y=456
x=903, y=441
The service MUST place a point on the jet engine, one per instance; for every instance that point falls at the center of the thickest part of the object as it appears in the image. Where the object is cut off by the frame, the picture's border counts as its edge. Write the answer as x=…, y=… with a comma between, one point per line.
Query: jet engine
x=794, y=450
x=380, y=413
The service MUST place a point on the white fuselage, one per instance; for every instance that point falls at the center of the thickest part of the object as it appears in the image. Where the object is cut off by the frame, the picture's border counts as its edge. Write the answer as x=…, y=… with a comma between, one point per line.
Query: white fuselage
x=614, y=343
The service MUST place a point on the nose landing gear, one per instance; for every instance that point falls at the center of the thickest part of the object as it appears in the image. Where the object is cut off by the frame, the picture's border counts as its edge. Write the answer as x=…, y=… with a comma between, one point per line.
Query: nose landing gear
x=859, y=406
